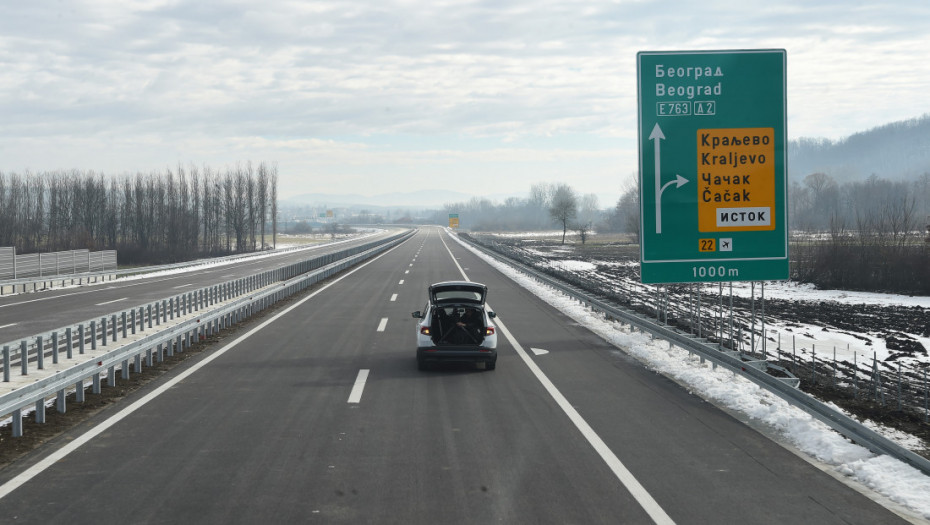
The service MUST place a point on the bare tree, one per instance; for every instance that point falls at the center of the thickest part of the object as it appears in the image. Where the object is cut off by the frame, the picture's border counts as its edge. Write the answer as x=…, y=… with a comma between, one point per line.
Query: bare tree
x=274, y=205
x=583, y=229
x=251, y=204
x=262, y=201
x=563, y=206
x=589, y=208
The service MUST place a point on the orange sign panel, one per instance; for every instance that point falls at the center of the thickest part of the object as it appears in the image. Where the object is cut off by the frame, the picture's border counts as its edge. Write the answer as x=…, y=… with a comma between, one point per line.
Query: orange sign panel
x=736, y=182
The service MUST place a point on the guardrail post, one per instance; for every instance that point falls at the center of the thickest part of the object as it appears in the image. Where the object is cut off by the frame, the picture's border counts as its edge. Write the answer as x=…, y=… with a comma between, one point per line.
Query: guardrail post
x=40, y=411
x=132, y=320
x=111, y=376
x=95, y=387
x=24, y=357
x=6, y=363
x=158, y=353
x=18, y=423
x=81, y=338
x=148, y=358
x=79, y=391
x=69, y=346
x=171, y=307
x=55, y=348
x=149, y=314
x=103, y=328
x=61, y=402
x=124, y=370
x=40, y=353
x=123, y=321
x=115, y=325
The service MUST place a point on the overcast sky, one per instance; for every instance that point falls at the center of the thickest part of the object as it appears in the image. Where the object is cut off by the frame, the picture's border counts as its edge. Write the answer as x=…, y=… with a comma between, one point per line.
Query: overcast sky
x=487, y=97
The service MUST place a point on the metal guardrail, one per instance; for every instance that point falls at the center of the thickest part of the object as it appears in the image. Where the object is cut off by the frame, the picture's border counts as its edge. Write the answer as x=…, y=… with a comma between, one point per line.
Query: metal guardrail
x=252, y=294
x=754, y=370
x=32, y=284
x=41, y=265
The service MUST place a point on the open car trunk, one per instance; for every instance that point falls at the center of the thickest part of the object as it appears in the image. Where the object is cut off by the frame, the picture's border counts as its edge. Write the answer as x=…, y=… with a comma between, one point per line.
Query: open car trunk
x=458, y=325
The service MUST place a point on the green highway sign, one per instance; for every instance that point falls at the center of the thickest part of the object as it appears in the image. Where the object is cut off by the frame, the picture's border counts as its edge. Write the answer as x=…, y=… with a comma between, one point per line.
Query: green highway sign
x=712, y=166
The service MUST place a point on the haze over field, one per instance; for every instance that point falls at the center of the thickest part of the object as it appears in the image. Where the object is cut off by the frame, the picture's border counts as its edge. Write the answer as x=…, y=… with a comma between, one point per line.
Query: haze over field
x=375, y=97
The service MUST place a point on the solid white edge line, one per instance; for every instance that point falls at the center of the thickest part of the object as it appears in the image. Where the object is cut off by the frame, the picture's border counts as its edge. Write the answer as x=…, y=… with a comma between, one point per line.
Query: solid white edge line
x=638, y=492
x=61, y=453
x=383, y=324
x=356, y=394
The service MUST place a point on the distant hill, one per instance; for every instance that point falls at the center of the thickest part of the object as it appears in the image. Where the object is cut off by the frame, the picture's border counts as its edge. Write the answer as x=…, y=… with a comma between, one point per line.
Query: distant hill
x=896, y=151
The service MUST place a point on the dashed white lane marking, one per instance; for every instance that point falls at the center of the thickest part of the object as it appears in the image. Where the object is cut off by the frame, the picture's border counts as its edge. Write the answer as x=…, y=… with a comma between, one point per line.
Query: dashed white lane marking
x=635, y=488
x=9, y=325
x=356, y=395
x=393, y=298
x=81, y=440
x=539, y=351
x=401, y=281
x=183, y=286
x=383, y=324
x=406, y=272
x=113, y=301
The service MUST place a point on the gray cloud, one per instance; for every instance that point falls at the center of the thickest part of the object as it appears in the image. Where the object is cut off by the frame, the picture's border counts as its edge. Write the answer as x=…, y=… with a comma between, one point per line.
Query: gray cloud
x=204, y=74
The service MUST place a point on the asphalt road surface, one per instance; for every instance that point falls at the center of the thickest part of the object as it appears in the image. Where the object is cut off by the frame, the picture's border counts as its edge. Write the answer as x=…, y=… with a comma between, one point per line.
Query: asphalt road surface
x=320, y=415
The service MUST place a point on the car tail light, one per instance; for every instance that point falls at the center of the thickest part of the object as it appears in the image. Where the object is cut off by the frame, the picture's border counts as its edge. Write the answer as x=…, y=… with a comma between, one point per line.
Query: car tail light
x=424, y=330
x=489, y=330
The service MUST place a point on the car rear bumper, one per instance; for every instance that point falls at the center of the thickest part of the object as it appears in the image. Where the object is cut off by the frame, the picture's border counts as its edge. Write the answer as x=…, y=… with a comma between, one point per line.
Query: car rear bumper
x=456, y=353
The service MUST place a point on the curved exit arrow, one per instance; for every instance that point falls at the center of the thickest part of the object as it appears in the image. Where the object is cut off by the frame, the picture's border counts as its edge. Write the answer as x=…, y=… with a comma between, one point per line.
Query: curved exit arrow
x=681, y=181
x=657, y=136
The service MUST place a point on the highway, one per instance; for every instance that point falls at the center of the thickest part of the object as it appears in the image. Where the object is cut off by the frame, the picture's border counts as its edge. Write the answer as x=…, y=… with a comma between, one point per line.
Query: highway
x=25, y=315
x=319, y=415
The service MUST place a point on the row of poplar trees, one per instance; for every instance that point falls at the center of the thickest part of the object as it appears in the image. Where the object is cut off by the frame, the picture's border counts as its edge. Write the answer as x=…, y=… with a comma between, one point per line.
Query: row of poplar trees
x=149, y=218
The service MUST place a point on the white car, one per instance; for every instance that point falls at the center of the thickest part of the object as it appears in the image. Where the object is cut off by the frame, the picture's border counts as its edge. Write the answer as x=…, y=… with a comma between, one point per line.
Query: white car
x=456, y=326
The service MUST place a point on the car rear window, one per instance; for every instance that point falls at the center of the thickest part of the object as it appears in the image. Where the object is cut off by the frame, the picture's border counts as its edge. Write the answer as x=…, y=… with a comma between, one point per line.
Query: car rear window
x=458, y=295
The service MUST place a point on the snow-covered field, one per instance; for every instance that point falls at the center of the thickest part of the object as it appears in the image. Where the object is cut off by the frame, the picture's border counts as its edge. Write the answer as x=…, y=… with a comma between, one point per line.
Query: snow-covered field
x=792, y=334
x=898, y=482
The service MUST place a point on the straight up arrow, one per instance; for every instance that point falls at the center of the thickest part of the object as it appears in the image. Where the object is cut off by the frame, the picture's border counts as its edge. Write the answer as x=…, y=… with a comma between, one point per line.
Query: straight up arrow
x=658, y=136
